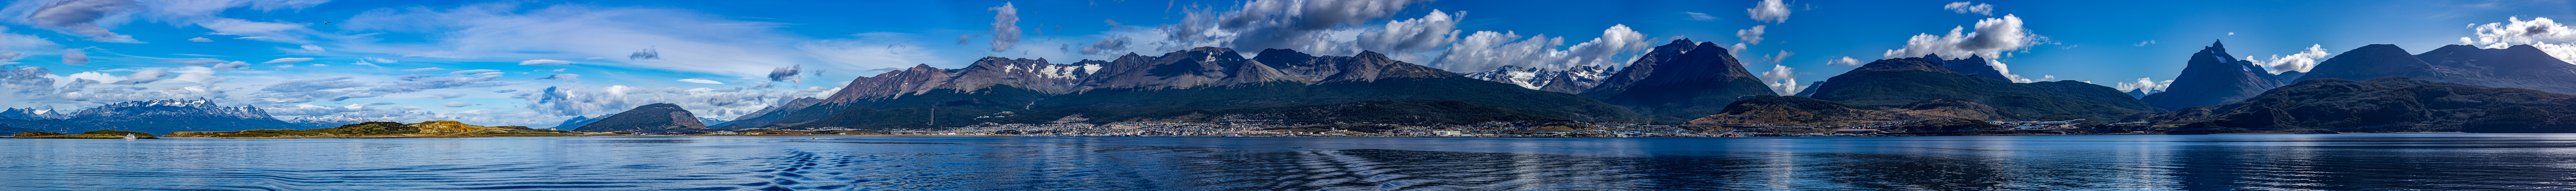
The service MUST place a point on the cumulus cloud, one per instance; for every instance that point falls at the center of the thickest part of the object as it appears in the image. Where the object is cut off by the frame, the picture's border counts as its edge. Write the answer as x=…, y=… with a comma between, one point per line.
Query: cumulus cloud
x=1486, y=50
x=542, y=62
x=234, y=65
x=1769, y=11
x=1006, y=29
x=473, y=71
x=1783, y=80
x=1775, y=58
x=1964, y=7
x=424, y=69
x=564, y=77
x=1845, y=61
x=705, y=102
x=200, y=39
x=1696, y=16
x=2301, y=62
x=2539, y=32
x=2144, y=43
x=287, y=60
x=75, y=57
x=81, y=17
x=2151, y=86
x=1751, y=35
x=1429, y=32
x=457, y=104
x=2007, y=72
x=700, y=80
x=1992, y=37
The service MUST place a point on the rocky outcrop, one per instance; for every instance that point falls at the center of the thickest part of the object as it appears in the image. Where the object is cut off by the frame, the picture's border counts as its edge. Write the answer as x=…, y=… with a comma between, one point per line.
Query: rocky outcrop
x=2213, y=77
x=2389, y=104
x=1679, y=81
x=2521, y=66
x=657, y=118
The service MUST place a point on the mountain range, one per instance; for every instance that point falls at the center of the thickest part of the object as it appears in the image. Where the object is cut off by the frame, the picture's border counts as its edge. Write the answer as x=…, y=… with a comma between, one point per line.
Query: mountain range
x=2519, y=66
x=2387, y=104
x=1679, y=81
x=1901, y=82
x=153, y=116
x=1199, y=84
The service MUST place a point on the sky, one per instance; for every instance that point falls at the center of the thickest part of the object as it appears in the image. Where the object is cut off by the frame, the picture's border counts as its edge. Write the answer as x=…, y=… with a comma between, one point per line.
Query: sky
x=538, y=62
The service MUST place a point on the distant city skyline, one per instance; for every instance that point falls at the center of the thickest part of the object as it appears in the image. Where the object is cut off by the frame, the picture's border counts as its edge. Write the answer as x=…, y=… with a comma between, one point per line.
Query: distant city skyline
x=539, y=62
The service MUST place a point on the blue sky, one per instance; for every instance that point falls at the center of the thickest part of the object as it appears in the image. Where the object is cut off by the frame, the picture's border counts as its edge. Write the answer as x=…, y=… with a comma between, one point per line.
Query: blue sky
x=549, y=60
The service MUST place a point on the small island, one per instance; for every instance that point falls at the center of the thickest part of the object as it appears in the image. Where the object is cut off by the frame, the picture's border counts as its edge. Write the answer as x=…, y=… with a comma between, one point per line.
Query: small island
x=390, y=130
x=99, y=134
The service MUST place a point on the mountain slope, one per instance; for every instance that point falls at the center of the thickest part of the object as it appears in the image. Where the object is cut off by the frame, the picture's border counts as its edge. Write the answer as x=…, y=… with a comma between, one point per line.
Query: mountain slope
x=1679, y=81
x=1572, y=80
x=2394, y=103
x=657, y=118
x=164, y=116
x=1904, y=81
x=2213, y=77
x=2521, y=66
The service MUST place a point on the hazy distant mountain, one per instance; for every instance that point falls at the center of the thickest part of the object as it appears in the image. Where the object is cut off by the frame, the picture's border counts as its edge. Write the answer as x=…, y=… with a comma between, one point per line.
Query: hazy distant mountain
x=1679, y=81
x=2390, y=104
x=1911, y=81
x=768, y=114
x=1572, y=80
x=578, y=121
x=657, y=118
x=164, y=116
x=2520, y=66
x=2213, y=77
x=1200, y=84
x=39, y=113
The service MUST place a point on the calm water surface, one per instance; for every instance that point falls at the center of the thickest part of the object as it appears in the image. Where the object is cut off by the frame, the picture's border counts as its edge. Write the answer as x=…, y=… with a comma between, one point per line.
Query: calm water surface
x=2111, y=162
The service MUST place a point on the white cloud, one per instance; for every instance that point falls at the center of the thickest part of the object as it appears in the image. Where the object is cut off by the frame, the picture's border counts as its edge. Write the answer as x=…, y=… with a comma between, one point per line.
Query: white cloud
x=2007, y=72
x=2144, y=43
x=2539, y=32
x=1964, y=7
x=1751, y=35
x=723, y=103
x=2150, y=85
x=81, y=18
x=1992, y=37
x=1775, y=58
x=1783, y=80
x=1769, y=11
x=143, y=77
x=473, y=71
x=457, y=104
x=1696, y=16
x=1486, y=50
x=424, y=69
x=200, y=61
x=234, y=65
x=75, y=57
x=10, y=43
x=1006, y=29
x=1845, y=61
x=287, y=60
x=1429, y=32
x=200, y=39
x=700, y=80
x=1107, y=45
x=542, y=62
x=2301, y=61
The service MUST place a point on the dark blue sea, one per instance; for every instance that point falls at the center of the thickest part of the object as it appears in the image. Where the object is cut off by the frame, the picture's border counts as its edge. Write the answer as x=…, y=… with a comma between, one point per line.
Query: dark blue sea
x=2102, y=162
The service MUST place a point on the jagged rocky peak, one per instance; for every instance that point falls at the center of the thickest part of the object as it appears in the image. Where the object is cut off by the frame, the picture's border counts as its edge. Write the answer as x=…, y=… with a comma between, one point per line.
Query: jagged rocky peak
x=1568, y=80
x=1974, y=65
x=1679, y=82
x=1907, y=64
x=1365, y=66
x=173, y=107
x=2213, y=77
x=919, y=78
x=1033, y=74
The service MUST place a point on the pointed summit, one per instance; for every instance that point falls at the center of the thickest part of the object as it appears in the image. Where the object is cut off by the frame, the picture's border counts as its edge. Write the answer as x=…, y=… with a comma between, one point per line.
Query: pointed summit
x=2213, y=77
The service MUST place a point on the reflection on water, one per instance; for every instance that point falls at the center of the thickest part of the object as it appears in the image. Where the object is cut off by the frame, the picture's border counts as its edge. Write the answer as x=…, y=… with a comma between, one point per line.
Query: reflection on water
x=2132, y=162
